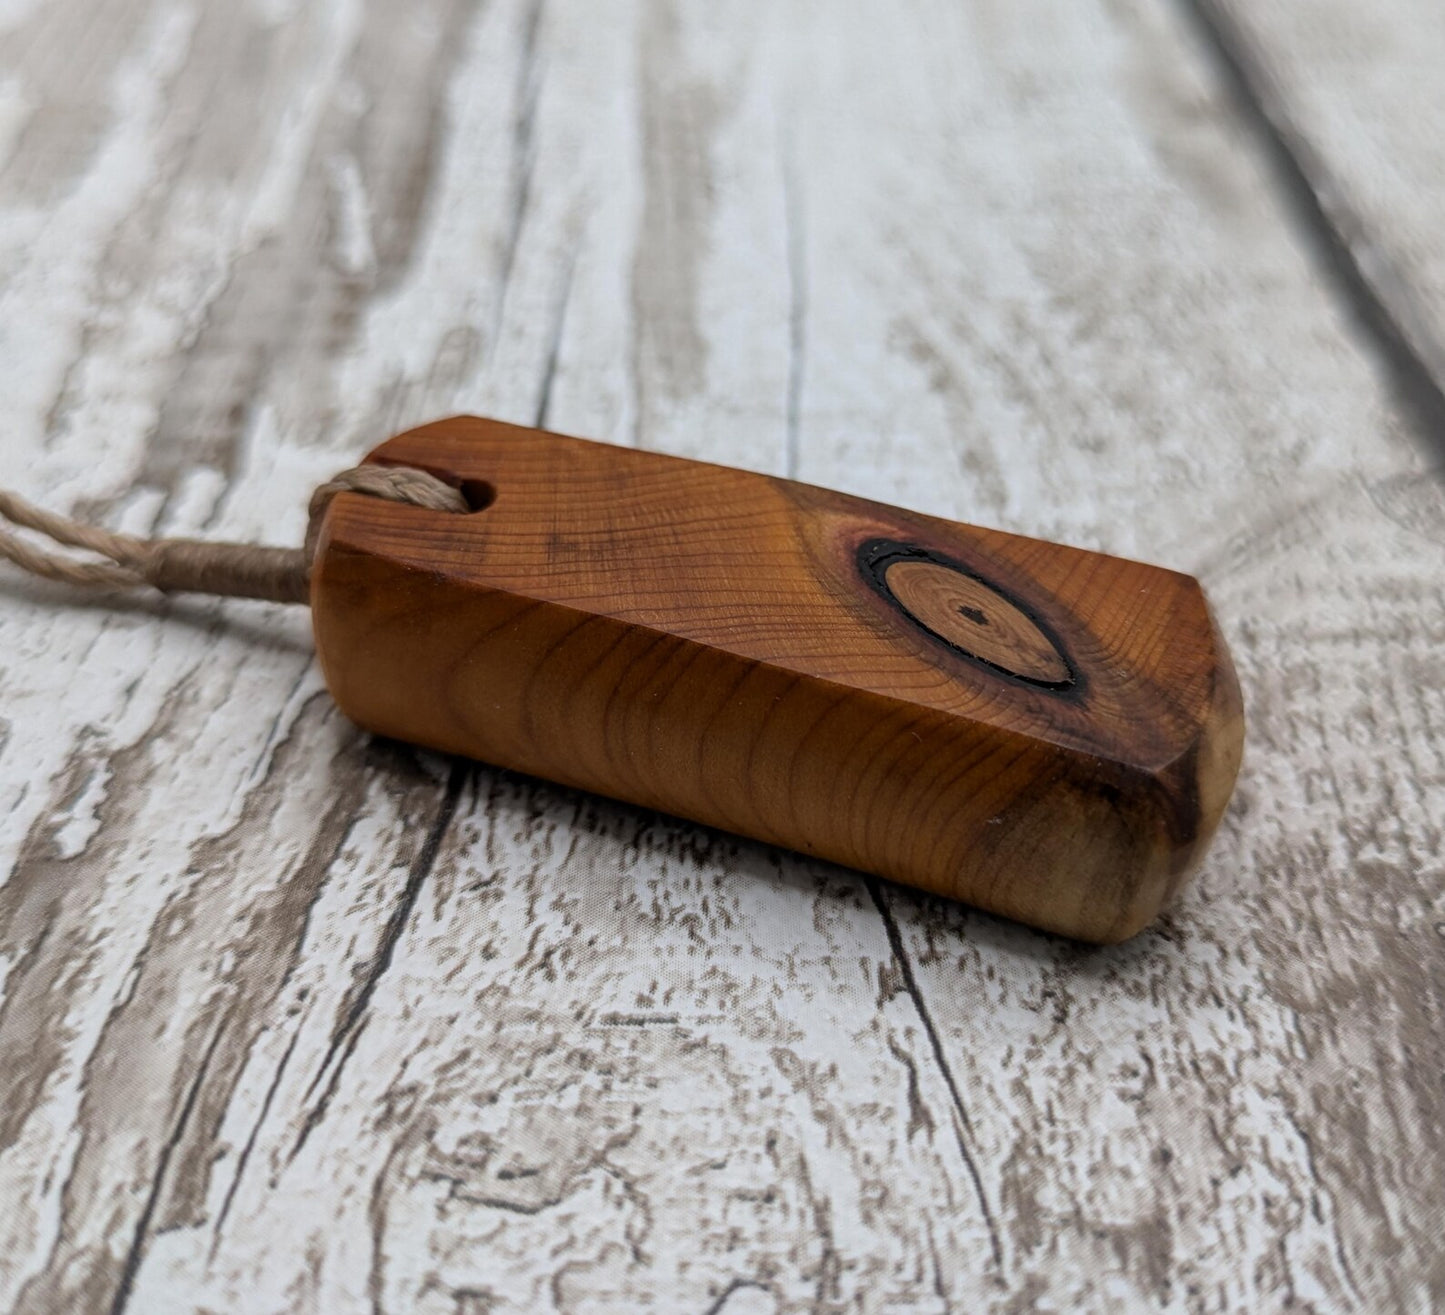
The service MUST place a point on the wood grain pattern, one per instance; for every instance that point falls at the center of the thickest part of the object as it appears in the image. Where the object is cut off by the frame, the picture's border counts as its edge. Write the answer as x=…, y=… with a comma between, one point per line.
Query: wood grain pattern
x=765, y=657
x=297, y=1019
x=1348, y=99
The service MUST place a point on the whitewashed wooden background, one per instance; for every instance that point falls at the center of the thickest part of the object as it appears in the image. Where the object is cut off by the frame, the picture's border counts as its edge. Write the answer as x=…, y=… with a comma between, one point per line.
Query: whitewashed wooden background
x=294, y=1020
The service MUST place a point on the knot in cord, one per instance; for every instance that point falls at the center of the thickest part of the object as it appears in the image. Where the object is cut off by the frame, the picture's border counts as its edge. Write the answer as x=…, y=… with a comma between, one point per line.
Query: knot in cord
x=229, y=570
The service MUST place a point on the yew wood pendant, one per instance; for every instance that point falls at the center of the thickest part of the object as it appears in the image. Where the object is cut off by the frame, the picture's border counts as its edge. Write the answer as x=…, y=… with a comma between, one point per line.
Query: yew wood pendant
x=1044, y=732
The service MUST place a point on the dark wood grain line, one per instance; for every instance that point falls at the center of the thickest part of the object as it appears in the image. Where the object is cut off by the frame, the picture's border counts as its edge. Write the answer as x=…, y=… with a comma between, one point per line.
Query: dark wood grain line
x=244, y=1157
x=136, y=1251
x=737, y=1285
x=348, y=1031
x=1376, y=292
x=963, y=1128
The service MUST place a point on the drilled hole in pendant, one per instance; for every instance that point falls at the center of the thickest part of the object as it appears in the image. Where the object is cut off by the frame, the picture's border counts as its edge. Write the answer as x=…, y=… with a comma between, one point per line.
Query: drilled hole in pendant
x=478, y=494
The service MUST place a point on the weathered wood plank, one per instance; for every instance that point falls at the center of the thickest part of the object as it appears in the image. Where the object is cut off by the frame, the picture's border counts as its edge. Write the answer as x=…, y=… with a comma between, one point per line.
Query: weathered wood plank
x=1349, y=99
x=296, y=1021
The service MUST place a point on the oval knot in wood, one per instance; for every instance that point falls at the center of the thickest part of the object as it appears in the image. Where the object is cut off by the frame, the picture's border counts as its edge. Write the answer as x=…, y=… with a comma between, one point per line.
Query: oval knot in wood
x=967, y=613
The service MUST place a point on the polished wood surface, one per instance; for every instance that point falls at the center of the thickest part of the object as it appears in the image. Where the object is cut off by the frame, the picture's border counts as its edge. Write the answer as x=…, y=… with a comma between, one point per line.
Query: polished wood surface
x=1048, y=733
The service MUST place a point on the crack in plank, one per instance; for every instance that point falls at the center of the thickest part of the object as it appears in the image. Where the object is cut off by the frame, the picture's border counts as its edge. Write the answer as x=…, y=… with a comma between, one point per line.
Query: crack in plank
x=737, y=1285
x=963, y=1127
x=244, y=1158
x=136, y=1252
x=1377, y=294
x=353, y=1021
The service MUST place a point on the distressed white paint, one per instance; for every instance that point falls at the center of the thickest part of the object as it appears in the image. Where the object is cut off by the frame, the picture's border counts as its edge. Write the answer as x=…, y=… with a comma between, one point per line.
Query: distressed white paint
x=1355, y=92
x=293, y=1020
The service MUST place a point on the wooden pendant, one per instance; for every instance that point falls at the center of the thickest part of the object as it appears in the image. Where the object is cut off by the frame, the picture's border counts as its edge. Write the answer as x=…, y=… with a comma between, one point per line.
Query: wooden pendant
x=1044, y=732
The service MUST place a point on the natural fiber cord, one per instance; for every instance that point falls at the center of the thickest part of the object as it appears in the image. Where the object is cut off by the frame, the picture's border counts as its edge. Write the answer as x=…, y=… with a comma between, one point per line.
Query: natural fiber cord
x=230, y=570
